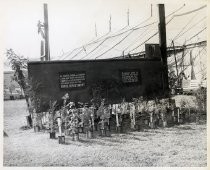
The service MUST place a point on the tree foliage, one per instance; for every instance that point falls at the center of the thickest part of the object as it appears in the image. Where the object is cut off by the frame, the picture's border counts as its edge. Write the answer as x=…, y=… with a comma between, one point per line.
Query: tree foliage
x=18, y=64
x=201, y=99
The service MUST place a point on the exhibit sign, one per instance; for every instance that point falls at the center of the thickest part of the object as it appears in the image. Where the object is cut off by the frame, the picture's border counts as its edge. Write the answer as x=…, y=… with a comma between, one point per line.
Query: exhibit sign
x=69, y=80
x=130, y=77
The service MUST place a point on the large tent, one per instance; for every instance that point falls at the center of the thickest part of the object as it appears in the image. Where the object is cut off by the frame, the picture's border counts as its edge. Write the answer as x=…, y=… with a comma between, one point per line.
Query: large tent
x=130, y=41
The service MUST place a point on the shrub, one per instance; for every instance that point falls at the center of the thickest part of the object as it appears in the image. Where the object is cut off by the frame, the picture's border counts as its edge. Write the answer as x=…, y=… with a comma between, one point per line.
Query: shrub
x=201, y=99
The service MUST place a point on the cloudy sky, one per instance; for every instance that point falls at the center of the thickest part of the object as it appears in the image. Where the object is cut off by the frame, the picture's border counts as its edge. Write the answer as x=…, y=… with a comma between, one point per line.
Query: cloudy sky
x=72, y=22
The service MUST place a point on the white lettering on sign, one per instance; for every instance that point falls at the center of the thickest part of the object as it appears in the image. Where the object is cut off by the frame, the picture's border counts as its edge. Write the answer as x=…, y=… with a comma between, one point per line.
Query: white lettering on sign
x=130, y=76
x=72, y=80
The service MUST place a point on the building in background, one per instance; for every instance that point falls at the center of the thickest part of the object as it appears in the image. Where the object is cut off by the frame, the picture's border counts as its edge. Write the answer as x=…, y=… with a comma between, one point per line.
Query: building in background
x=12, y=90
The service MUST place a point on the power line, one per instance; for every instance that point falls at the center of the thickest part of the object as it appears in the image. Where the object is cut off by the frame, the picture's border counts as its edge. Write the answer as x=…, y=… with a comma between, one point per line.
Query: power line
x=134, y=28
x=194, y=58
x=176, y=11
x=201, y=70
x=168, y=23
x=197, y=34
x=191, y=27
x=188, y=46
x=116, y=44
x=186, y=13
x=178, y=48
x=189, y=12
x=77, y=53
x=127, y=30
x=70, y=52
x=144, y=42
x=89, y=43
x=166, y=16
x=99, y=45
x=185, y=26
x=143, y=34
x=93, y=42
x=150, y=37
x=131, y=30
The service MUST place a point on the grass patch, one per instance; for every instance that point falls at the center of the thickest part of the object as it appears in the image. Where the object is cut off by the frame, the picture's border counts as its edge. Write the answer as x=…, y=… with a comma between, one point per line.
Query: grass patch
x=183, y=145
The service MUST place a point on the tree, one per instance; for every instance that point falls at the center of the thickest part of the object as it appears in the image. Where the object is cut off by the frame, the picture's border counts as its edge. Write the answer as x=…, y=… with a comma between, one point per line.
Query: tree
x=201, y=101
x=18, y=64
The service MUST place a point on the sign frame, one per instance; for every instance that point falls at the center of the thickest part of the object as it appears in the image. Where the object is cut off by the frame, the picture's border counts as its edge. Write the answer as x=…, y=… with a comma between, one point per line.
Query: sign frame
x=131, y=83
x=72, y=72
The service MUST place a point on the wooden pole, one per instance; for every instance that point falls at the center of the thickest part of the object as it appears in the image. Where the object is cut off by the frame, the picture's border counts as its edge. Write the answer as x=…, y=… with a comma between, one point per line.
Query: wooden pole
x=151, y=120
x=178, y=115
x=92, y=117
x=134, y=118
x=192, y=67
x=175, y=59
x=46, y=30
x=42, y=50
x=182, y=60
x=59, y=125
x=163, y=45
x=117, y=120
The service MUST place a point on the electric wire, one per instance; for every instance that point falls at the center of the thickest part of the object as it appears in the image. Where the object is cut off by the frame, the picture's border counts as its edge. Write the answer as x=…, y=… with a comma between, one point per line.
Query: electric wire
x=196, y=34
x=116, y=44
x=194, y=58
x=143, y=34
x=177, y=15
x=120, y=29
x=134, y=28
x=185, y=26
x=131, y=30
x=191, y=27
x=106, y=38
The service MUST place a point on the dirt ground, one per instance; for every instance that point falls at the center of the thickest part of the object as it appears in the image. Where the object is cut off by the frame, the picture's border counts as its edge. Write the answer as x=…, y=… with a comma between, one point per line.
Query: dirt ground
x=183, y=146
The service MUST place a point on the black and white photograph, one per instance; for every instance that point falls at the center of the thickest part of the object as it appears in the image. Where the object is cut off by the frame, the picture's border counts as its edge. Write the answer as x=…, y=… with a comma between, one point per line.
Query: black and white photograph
x=103, y=83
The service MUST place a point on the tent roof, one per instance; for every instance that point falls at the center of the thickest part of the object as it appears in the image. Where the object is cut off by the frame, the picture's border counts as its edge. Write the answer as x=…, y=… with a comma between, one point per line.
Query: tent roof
x=131, y=40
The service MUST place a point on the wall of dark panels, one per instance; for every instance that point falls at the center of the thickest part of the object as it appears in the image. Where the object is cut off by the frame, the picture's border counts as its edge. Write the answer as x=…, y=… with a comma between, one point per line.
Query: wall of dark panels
x=114, y=79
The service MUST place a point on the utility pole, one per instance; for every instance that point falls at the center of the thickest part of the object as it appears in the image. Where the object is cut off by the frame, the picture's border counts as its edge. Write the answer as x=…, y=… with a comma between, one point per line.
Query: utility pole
x=163, y=46
x=42, y=50
x=46, y=30
x=182, y=59
x=175, y=59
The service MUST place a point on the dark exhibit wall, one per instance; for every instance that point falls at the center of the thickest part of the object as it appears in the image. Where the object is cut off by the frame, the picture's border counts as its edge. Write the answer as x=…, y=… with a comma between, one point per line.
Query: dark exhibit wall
x=110, y=79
